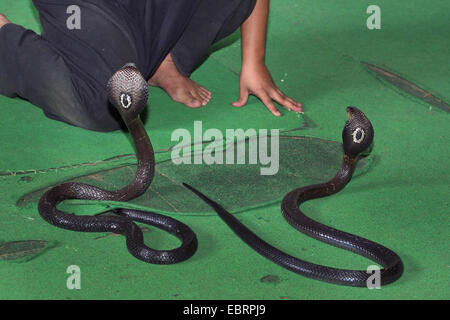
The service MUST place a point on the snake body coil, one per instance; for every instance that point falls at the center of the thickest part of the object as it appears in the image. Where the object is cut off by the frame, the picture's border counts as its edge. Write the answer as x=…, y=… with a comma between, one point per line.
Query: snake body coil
x=127, y=91
x=357, y=137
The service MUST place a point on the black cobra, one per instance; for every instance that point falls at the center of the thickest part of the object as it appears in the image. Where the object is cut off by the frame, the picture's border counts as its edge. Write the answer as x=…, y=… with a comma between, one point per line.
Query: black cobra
x=128, y=92
x=357, y=137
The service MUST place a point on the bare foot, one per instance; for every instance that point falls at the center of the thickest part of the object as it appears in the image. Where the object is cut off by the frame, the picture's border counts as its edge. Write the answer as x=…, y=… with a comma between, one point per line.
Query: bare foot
x=179, y=87
x=3, y=20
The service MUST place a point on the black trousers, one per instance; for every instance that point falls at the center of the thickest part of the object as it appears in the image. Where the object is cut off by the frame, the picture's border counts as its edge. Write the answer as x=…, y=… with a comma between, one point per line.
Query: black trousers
x=64, y=71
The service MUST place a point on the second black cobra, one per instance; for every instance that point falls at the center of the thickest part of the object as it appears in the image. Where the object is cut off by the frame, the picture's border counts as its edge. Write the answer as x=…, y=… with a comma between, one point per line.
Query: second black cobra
x=128, y=92
x=357, y=137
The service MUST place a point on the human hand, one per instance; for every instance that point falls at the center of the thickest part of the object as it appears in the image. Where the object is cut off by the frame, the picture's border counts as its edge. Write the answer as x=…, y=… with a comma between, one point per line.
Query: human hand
x=255, y=79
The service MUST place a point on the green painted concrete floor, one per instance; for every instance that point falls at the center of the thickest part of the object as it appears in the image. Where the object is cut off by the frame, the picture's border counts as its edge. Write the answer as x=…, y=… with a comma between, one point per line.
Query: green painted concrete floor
x=314, y=53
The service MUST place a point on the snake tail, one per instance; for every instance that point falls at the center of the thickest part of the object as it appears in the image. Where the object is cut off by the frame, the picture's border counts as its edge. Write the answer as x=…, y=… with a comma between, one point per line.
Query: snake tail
x=357, y=137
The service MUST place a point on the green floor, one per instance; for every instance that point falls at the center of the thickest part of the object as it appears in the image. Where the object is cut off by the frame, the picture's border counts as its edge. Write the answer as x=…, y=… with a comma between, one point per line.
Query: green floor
x=314, y=53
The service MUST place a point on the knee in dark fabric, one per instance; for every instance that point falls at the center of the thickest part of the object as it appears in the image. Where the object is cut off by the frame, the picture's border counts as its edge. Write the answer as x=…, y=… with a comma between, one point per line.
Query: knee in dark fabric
x=74, y=105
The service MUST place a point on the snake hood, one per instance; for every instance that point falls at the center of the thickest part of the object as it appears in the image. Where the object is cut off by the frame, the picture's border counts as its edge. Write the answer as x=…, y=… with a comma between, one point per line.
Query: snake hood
x=357, y=135
x=128, y=92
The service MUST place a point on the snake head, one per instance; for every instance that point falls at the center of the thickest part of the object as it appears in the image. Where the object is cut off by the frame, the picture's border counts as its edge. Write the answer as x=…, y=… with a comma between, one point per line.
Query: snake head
x=357, y=135
x=128, y=92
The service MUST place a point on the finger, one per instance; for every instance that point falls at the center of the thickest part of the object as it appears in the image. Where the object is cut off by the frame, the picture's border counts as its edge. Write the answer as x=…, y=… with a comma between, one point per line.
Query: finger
x=267, y=100
x=287, y=102
x=298, y=104
x=242, y=99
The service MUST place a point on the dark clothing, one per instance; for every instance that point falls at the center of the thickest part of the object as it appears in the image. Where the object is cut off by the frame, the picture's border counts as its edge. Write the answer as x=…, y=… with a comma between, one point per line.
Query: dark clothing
x=64, y=71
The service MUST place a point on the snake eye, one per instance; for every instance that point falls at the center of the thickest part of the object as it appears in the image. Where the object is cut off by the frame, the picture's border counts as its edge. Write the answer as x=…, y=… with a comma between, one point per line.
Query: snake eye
x=358, y=135
x=125, y=100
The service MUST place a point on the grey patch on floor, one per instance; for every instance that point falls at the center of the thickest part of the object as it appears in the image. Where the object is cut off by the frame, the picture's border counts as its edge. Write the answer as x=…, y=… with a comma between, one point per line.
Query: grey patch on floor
x=270, y=279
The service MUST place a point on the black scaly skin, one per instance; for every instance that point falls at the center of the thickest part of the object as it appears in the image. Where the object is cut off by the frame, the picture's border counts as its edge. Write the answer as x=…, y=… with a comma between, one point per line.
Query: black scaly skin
x=128, y=92
x=355, y=142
